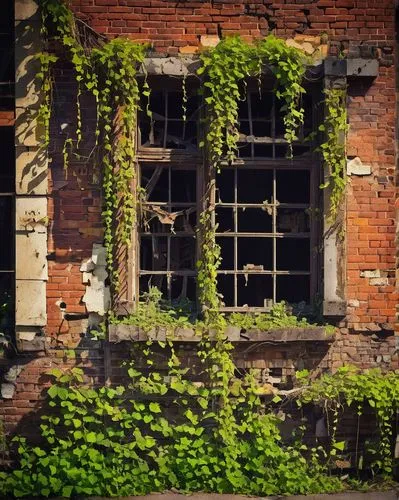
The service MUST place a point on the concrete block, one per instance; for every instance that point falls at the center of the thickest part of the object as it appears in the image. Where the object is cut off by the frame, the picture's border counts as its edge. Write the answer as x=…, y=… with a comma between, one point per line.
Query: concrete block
x=334, y=67
x=7, y=390
x=334, y=308
x=362, y=67
x=30, y=256
x=374, y=273
x=97, y=299
x=357, y=167
x=27, y=333
x=31, y=171
x=30, y=303
x=379, y=281
x=31, y=214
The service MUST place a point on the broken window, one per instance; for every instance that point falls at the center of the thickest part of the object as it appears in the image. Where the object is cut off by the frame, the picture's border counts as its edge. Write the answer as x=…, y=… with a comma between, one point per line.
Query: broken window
x=7, y=200
x=261, y=125
x=265, y=204
x=167, y=232
x=265, y=233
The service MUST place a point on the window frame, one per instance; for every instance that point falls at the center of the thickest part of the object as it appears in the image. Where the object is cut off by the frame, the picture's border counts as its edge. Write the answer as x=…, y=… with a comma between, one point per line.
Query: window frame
x=175, y=157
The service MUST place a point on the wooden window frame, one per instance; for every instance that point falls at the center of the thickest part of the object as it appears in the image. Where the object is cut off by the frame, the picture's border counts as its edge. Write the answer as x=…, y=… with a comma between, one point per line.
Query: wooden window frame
x=179, y=157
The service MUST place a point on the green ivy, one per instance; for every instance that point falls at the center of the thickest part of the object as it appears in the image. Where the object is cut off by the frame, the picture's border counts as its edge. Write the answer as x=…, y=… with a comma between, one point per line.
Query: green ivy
x=333, y=149
x=226, y=67
x=45, y=81
x=116, y=64
x=163, y=431
x=355, y=388
x=112, y=68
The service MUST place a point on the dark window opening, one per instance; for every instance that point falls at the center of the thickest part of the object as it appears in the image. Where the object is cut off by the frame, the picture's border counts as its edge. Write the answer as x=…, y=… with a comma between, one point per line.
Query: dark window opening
x=7, y=211
x=261, y=125
x=7, y=55
x=173, y=123
x=167, y=230
x=265, y=205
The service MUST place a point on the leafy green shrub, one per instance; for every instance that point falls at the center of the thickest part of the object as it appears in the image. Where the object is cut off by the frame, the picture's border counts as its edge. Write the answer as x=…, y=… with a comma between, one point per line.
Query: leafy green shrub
x=162, y=432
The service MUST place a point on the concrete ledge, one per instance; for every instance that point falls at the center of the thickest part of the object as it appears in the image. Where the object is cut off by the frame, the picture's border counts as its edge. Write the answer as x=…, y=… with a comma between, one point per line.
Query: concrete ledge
x=122, y=332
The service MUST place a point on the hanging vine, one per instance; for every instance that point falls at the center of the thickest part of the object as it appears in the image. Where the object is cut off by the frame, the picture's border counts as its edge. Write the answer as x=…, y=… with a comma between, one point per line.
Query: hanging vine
x=45, y=80
x=333, y=149
x=117, y=63
x=226, y=67
x=113, y=66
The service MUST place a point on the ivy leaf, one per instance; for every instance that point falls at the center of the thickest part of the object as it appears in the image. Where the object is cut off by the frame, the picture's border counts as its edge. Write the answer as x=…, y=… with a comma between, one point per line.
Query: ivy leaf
x=91, y=437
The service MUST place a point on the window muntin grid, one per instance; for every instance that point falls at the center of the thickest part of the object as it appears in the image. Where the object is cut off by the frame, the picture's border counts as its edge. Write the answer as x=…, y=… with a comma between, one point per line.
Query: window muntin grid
x=281, y=244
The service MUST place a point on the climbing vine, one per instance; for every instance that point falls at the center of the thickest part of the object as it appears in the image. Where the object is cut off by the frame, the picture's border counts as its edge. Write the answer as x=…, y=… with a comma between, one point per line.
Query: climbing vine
x=116, y=63
x=44, y=77
x=333, y=149
x=109, y=73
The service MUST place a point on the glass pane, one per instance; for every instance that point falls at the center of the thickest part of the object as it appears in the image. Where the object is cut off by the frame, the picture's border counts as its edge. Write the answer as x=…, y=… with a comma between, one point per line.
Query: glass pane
x=255, y=252
x=254, y=290
x=293, y=254
x=254, y=186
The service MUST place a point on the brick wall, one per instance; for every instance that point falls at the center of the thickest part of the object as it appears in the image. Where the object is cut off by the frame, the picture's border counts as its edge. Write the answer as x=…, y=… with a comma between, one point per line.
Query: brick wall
x=74, y=203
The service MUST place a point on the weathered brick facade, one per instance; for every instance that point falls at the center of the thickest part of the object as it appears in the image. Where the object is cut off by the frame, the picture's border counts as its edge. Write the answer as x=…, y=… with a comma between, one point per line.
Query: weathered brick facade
x=74, y=197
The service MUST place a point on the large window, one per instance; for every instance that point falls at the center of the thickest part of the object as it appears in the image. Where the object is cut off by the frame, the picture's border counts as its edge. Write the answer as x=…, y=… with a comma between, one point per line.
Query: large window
x=265, y=205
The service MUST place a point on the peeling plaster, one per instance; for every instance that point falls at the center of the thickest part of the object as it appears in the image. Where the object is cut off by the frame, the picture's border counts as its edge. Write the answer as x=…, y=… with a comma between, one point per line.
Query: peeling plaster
x=97, y=297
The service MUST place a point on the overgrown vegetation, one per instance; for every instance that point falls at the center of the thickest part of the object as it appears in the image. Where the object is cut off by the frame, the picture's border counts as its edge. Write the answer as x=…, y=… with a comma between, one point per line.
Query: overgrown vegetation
x=201, y=429
x=333, y=149
x=226, y=67
x=210, y=434
x=351, y=387
x=109, y=73
x=152, y=311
